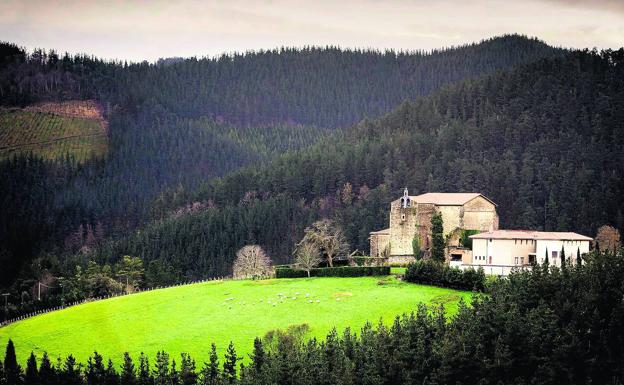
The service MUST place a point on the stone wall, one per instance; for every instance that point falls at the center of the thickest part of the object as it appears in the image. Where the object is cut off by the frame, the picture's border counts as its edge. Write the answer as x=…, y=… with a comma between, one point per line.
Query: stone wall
x=378, y=244
x=403, y=223
x=480, y=214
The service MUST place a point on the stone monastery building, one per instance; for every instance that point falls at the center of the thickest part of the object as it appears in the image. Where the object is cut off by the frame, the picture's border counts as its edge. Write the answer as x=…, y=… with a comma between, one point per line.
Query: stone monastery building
x=470, y=224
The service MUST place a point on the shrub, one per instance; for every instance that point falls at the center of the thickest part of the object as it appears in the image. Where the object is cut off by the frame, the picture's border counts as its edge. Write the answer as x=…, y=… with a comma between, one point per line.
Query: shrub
x=343, y=271
x=439, y=274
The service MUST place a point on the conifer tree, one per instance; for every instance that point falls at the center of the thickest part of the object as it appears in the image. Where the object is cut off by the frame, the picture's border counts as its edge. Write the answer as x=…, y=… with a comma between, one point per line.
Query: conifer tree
x=579, y=261
x=95, y=372
x=546, y=257
x=188, y=376
x=31, y=376
x=144, y=374
x=47, y=375
x=229, y=364
x=437, y=237
x=161, y=370
x=174, y=374
x=563, y=256
x=128, y=372
x=258, y=356
x=110, y=374
x=70, y=374
x=12, y=370
x=210, y=374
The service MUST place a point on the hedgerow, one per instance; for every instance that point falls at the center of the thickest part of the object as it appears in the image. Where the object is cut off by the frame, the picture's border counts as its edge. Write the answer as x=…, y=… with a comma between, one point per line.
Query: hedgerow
x=439, y=274
x=343, y=271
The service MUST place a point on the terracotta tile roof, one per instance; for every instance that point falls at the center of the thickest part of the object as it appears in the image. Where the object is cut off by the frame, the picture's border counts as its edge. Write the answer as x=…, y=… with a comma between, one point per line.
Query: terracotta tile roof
x=451, y=199
x=530, y=234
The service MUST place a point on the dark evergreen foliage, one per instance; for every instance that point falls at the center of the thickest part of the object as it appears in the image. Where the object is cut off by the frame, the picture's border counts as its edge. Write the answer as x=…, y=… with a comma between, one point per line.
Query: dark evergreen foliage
x=342, y=271
x=438, y=244
x=12, y=370
x=431, y=272
x=31, y=374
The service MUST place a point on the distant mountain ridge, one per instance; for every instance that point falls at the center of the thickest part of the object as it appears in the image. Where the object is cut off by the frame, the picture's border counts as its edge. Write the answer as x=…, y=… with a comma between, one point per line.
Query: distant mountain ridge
x=327, y=87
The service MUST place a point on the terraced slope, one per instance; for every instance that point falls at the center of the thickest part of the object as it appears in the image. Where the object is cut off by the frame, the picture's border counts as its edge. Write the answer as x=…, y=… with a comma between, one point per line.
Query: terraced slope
x=54, y=130
x=189, y=318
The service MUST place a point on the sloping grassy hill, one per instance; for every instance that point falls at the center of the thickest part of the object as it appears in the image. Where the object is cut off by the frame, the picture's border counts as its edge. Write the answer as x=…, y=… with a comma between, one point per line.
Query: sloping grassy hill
x=189, y=318
x=52, y=130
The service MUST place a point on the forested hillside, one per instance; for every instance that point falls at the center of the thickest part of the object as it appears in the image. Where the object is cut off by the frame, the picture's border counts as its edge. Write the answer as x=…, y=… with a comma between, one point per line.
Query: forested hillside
x=544, y=141
x=327, y=87
x=176, y=124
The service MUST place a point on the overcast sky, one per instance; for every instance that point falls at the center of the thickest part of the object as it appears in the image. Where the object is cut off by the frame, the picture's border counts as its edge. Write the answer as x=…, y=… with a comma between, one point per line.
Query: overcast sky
x=138, y=30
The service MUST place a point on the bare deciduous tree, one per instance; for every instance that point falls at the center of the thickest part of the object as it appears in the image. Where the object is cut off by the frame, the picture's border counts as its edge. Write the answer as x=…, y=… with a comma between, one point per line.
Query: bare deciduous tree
x=328, y=237
x=251, y=262
x=608, y=238
x=307, y=256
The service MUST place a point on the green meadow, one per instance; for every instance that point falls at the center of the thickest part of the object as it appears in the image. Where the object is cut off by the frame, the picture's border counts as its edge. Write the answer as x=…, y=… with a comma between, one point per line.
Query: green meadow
x=189, y=318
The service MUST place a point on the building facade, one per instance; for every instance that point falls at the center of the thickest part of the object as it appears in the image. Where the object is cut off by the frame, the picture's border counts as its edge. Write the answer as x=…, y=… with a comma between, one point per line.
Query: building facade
x=410, y=217
x=498, y=252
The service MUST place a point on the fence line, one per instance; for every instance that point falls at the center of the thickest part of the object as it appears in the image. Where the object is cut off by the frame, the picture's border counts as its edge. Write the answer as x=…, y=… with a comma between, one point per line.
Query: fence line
x=85, y=300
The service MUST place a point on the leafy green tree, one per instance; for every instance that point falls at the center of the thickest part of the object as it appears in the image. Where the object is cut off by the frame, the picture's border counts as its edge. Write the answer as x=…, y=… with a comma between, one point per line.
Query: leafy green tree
x=130, y=270
x=438, y=244
x=417, y=248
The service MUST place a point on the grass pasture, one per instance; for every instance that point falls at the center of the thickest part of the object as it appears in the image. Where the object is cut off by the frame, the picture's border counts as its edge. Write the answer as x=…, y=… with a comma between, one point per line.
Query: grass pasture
x=189, y=318
x=50, y=136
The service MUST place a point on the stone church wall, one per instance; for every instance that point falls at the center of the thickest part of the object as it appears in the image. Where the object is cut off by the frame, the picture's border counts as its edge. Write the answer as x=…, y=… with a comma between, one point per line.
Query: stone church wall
x=403, y=223
x=480, y=214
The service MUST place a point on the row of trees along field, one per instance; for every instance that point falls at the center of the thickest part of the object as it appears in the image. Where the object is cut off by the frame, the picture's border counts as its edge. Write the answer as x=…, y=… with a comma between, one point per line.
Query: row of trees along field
x=541, y=141
x=177, y=123
x=546, y=326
